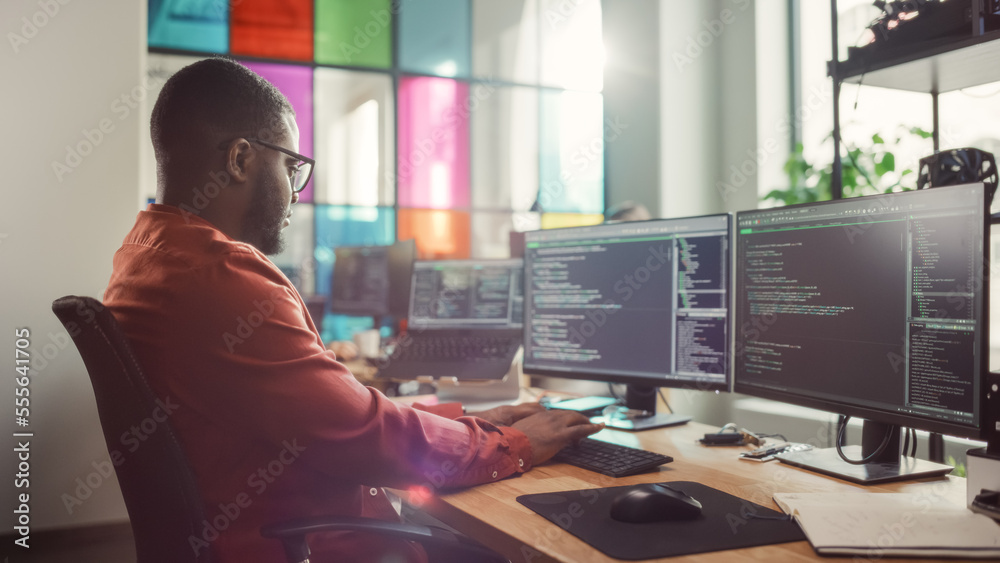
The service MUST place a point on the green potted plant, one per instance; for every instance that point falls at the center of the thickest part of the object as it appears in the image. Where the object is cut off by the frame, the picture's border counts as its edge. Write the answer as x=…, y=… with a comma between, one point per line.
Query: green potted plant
x=864, y=171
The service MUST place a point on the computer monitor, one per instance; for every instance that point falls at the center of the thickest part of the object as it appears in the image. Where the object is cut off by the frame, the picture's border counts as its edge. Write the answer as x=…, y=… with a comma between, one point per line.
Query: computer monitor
x=871, y=307
x=643, y=303
x=471, y=294
x=372, y=280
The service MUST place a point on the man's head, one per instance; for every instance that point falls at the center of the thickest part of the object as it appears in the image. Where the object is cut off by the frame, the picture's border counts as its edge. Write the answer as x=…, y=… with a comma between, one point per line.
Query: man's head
x=218, y=130
x=627, y=211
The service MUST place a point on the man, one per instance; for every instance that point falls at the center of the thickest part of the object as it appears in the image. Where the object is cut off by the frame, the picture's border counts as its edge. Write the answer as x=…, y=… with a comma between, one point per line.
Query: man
x=274, y=426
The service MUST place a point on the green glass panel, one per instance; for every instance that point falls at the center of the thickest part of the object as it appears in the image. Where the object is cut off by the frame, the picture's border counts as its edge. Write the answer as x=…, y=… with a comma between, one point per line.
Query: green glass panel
x=354, y=32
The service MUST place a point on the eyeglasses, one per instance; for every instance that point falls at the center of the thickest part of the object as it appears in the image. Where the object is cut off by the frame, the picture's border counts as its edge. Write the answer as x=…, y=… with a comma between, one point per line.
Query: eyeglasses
x=298, y=174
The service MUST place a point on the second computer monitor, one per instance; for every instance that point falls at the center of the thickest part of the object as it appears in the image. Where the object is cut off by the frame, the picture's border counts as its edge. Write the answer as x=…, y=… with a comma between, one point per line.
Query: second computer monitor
x=873, y=307
x=643, y=303
x=466, y=294
x=372, y=280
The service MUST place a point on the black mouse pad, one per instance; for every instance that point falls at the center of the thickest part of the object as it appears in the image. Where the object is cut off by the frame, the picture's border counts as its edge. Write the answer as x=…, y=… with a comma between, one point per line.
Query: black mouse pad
x=726, y=522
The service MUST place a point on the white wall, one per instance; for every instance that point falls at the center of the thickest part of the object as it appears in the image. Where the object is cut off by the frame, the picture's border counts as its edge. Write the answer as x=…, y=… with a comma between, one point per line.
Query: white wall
x=632, y=102
x=708, y=123
x=708, y=104
x=58, y=235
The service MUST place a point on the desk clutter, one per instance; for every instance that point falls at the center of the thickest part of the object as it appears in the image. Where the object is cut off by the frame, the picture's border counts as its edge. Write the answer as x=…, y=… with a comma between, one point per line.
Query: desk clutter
x=726, y=522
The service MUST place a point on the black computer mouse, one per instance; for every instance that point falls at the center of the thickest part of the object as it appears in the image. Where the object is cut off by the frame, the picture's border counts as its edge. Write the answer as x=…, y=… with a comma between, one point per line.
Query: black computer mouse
x=654, y=502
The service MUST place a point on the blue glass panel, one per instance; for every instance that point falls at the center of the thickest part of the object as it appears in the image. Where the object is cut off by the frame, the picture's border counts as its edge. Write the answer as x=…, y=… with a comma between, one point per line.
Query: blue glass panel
x=339, y=225
x=296, y=260
x=571, y=145
x=435, y=37
x=194, y=25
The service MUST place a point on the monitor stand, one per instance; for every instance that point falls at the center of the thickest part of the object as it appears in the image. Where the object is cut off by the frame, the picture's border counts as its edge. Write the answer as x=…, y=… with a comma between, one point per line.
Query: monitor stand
x=640, y=399
x=887, y=467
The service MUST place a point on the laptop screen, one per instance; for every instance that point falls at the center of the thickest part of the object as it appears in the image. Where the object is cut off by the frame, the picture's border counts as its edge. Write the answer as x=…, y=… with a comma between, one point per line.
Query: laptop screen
x=467, y=294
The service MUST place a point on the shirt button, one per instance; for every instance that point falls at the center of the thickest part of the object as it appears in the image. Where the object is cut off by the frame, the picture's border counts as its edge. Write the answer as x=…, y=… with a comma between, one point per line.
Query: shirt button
x=373, y=491
x=520, y=463
x=494, y=474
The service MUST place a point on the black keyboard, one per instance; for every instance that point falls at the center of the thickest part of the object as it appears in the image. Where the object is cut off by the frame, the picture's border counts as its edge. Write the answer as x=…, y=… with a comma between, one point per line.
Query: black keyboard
x=465, y=348
x=610, y=459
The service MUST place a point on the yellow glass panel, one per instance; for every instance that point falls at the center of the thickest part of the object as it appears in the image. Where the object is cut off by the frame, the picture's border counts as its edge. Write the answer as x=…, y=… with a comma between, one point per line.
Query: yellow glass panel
x=560, y=220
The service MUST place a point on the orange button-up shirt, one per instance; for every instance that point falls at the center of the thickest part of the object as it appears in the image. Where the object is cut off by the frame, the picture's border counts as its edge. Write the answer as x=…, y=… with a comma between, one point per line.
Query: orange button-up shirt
x=274, y=427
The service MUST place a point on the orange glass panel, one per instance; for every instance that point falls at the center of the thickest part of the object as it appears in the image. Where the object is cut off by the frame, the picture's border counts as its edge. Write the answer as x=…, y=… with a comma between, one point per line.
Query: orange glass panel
x=280, y=29
x=439, y=233
x=560, y=220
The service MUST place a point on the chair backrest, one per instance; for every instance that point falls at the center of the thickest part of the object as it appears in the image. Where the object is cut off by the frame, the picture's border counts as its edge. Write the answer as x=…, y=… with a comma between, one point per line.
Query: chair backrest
x=164, y=507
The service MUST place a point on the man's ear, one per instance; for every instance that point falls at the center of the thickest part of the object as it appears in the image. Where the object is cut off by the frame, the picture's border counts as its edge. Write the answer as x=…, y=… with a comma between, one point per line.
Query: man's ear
x=239, y=158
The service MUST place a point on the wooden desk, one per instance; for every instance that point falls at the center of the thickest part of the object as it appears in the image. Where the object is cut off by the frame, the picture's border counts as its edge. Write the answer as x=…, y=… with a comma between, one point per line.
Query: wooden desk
x=491, y=514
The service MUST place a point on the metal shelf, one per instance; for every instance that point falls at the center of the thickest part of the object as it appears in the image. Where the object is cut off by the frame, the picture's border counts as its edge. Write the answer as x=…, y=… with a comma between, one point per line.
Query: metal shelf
x=942, y=66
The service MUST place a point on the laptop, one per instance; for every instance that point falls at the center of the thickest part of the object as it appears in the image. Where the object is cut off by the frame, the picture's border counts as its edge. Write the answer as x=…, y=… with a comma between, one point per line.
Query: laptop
x=464, y=321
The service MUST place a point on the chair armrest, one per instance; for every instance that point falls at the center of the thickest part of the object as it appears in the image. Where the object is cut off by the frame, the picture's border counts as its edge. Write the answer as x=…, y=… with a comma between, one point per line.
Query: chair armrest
x=292, y=534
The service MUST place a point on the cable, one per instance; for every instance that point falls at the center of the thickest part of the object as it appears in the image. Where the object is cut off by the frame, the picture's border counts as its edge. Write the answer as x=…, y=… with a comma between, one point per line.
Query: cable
x=784, y=517
x=875, y=454
x=731, y=426
x=857, y=94
x=664, y=399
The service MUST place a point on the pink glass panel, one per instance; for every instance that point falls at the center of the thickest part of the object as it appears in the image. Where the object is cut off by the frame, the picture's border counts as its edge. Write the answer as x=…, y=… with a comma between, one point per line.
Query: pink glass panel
x=296, y=83
x=433, y=158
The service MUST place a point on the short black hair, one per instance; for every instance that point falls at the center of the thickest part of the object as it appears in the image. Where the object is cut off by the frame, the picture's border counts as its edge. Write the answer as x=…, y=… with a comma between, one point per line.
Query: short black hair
x=216, y=96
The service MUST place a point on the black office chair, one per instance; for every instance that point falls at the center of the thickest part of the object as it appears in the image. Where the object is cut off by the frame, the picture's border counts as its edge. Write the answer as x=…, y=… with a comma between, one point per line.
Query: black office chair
x=164, y=505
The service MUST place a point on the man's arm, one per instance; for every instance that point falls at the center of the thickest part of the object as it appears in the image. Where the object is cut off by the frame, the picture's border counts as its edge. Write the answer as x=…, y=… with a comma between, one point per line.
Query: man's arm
x=276, y=380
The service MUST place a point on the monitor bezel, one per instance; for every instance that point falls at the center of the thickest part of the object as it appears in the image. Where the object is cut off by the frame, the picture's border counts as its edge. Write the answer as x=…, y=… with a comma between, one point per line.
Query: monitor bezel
x=860, y=411
x=669, y=380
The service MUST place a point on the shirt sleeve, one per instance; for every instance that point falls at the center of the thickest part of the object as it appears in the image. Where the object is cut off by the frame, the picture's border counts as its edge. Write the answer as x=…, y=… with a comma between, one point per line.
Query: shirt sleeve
x=261, y=370
x=447, y=410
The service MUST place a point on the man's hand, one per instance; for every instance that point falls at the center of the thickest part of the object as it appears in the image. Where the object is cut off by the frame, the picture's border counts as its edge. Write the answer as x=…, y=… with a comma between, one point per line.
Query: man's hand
x=507, y=415
x=551, y=431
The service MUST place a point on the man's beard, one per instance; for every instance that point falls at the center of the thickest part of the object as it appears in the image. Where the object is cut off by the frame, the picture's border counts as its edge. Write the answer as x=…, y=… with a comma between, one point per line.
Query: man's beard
x=265, y=218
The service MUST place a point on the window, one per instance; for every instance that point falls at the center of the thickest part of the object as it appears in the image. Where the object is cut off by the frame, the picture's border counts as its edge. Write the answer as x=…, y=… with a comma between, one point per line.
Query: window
x=453, y=122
